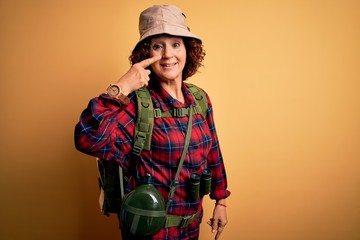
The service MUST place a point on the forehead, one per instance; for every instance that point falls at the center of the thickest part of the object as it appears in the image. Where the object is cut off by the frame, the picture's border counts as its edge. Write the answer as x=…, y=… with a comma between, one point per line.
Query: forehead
x=166, y=37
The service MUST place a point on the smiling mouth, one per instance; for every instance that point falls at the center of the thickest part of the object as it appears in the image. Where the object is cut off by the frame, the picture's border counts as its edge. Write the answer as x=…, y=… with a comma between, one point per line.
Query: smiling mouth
x=168, y=65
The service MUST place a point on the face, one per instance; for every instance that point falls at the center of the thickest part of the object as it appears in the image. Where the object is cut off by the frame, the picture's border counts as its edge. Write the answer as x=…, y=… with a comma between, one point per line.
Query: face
x=173, y=57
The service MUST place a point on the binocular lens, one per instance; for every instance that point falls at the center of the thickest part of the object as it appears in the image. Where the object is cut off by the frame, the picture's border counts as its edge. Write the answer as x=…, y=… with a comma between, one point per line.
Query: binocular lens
x=194, y=186
x=205, y=182
x=199, y=185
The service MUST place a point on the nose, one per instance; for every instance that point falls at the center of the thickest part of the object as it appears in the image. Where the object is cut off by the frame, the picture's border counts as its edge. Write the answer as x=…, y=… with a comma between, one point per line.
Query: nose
x=168, y=52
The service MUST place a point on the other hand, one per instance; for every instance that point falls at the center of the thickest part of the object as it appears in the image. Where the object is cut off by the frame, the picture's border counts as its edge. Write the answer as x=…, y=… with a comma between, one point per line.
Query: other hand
x=219, y=220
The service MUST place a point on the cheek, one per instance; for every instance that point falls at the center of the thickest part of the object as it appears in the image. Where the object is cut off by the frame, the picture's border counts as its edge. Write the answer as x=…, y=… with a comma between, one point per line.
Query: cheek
x=182, y=55
x=155, y=68
x=153, y=53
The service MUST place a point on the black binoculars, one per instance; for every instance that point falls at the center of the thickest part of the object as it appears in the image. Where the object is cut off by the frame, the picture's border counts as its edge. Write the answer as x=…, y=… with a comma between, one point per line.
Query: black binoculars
x=199, y=185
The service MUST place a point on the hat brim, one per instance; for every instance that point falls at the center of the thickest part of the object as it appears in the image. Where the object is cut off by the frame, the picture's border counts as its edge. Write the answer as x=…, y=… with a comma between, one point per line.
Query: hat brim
x=170, y=30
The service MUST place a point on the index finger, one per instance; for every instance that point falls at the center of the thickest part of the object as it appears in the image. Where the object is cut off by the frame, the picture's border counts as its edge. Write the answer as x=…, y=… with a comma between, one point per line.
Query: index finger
x=147, y=62
x=218, y=234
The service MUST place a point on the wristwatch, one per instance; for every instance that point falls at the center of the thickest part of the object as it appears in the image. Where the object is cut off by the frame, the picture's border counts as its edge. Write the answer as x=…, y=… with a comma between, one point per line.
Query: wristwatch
x=114, y=91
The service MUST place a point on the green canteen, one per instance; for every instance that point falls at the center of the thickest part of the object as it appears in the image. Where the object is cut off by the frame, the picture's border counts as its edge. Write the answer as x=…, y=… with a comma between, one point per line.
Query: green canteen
x=143, y=210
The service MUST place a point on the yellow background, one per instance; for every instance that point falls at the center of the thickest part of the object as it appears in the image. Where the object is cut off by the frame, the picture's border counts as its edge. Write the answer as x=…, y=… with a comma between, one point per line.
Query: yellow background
x=284, y=79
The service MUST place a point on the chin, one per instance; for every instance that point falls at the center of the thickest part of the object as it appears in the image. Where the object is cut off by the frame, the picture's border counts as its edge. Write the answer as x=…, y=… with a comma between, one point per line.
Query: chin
x=169, y=78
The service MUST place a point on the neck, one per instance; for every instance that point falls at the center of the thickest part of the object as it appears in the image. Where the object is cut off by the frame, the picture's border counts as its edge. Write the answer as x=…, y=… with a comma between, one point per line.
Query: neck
x=174, y=89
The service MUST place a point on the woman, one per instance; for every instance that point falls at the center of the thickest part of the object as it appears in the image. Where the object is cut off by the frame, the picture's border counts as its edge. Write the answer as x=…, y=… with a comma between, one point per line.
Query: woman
x=166, y=55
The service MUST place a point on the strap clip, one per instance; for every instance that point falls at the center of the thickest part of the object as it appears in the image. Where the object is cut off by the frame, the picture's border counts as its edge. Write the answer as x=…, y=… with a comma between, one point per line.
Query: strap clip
x=157, y=113
x=180, y=112
x=187, y=220
x=184, y=221
x=139, y=143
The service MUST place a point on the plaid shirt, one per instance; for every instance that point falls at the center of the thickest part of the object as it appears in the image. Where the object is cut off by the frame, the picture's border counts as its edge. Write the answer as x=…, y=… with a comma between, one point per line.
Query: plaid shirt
x=106, y=130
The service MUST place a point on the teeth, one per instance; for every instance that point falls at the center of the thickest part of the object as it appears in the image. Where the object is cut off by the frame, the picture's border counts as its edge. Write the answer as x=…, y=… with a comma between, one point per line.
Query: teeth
x=168, y=65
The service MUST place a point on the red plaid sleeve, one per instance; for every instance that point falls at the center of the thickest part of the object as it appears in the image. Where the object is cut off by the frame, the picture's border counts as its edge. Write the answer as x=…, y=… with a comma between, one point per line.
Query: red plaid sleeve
x=106, y=128
x=215, y=161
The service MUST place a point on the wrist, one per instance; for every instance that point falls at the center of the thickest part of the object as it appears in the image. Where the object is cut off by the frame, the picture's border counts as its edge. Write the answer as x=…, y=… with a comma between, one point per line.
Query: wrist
x=220, y=204
x=124, y=89
x=116, y=91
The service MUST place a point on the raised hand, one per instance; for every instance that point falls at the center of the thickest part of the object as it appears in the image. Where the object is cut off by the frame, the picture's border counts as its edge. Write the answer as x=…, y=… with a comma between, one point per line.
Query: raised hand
x=137, y=76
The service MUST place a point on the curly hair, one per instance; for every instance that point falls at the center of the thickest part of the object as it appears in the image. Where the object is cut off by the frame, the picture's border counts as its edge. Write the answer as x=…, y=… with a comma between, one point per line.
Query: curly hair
x=194, y=55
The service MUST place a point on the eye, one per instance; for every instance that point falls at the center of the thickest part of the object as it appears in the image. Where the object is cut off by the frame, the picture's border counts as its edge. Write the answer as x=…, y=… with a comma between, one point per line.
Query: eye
x=176, y=45
x=157, y=46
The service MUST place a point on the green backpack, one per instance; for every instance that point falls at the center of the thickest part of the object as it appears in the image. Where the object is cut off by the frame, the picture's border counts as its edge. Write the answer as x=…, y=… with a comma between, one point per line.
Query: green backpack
x=111, y=177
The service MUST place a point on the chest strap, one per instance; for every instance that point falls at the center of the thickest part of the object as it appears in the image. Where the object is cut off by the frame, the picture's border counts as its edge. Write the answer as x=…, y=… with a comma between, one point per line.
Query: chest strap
x=176, y=112
x=180, y=221
x=146, y=114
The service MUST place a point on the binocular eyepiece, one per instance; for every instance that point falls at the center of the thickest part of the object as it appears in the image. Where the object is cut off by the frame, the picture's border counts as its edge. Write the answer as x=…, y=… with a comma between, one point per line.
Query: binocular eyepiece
x=200, y=185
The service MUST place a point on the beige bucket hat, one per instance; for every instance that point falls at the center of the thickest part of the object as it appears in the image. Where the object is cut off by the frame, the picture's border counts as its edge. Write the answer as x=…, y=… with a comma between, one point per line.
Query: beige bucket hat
x=163, y=19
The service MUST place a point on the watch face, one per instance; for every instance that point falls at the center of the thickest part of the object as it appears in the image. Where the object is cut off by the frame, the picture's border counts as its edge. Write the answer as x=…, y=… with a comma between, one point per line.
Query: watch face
x=113, y=90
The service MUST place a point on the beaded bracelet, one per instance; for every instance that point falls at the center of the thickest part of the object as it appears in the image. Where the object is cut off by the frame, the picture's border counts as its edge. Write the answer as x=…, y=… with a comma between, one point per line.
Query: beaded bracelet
x=223, y=205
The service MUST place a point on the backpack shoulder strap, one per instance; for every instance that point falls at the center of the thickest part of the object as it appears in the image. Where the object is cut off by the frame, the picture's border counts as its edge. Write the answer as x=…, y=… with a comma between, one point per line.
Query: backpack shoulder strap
x=146, y=113
x=200, y=98
x=144, y=122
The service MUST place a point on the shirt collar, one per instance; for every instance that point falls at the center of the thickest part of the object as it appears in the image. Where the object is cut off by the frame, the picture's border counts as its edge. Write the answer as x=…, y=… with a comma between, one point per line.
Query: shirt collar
x=163, y=100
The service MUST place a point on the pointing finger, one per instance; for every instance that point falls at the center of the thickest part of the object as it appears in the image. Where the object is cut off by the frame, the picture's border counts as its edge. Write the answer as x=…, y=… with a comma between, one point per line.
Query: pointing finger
x=218, y=233
x=147, y=62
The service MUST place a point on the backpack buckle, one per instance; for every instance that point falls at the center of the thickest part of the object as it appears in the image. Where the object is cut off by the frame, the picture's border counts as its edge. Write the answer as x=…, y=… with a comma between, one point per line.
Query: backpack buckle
x=180, y=112
x=157, y=113
x=184, y=221
x=139, y=143
x=197, y=109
